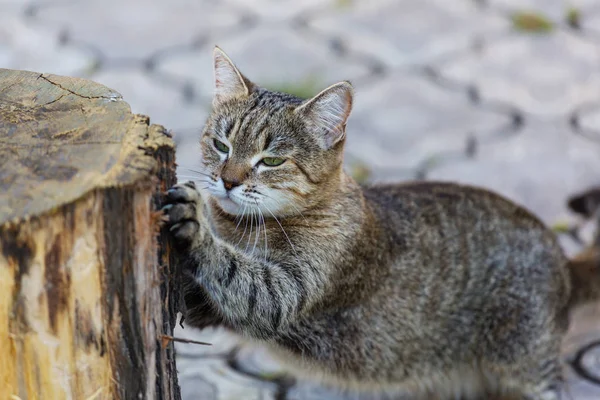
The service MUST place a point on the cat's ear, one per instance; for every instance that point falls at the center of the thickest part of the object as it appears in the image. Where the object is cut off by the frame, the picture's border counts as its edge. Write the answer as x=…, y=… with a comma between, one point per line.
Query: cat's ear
x=229, y=81
x=328, y=111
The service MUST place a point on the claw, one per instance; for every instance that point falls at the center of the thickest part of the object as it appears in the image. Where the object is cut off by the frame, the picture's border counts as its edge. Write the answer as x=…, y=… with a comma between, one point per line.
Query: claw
x=167, y=207
x=176, y=226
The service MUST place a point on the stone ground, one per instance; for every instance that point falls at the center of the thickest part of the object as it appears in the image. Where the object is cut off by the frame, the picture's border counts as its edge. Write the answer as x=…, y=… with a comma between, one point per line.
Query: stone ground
x=499, y=93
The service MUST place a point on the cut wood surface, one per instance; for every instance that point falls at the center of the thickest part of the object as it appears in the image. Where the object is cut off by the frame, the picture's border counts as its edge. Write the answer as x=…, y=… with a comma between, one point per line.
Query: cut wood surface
x=85, y=280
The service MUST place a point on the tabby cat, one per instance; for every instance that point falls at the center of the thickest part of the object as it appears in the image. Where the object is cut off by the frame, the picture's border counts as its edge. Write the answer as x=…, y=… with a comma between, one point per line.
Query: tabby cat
x=435, y=289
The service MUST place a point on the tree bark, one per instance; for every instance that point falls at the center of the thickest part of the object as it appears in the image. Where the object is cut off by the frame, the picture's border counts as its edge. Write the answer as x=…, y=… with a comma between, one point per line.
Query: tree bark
x=86, y=282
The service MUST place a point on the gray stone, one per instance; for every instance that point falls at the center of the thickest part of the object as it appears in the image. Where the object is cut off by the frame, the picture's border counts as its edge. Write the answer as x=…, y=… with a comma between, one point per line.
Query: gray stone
x=583, y=329
x=212, y=379
x=37, y=48
x=308, y=391
x=304, y=390
x=12, y=6
x=405, y=120
x=538, y=167
x=188, y=154
x=164, y=103
x=256, y=360
x=222, y=342
x=408, y=32
x=277, y=10
x=569, y=245
x=135, y=29
x=544, y=74
x=589, y=122
x=587, y=231
x=273, y=57
x=590, y=22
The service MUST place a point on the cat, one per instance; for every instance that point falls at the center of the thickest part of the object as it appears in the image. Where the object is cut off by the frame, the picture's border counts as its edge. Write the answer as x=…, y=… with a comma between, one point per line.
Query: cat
x=434, y=289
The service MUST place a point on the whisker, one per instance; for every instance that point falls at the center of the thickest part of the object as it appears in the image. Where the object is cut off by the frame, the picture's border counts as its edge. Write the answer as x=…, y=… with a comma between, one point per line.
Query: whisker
x=257, y=234
x=264, y=227
x=241, y=217
x=283, y=230
x=278, y=202
x=245, y=226
x=197, y=171
x=195, y=177
x=250, y=234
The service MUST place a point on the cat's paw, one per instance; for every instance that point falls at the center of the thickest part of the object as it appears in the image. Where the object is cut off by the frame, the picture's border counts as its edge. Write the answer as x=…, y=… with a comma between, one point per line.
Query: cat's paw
x=184, y=210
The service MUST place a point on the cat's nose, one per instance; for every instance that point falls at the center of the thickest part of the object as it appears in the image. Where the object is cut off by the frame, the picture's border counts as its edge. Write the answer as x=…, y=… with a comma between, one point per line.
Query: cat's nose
x=230, y=184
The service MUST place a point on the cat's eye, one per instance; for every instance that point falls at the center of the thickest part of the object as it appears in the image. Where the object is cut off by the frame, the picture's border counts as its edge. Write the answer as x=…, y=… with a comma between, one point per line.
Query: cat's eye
x=273, y=161
x=222, y=147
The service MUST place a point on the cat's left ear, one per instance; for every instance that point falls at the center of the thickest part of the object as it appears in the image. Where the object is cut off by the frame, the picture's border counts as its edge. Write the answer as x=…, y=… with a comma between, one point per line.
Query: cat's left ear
x=328, y=111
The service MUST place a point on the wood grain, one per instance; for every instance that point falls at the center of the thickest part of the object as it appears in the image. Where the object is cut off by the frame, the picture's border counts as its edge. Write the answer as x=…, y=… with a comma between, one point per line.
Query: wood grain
x=85, y=278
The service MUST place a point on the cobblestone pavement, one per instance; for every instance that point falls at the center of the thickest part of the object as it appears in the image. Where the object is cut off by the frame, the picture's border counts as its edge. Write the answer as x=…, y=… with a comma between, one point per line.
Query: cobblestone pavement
x=499, y=93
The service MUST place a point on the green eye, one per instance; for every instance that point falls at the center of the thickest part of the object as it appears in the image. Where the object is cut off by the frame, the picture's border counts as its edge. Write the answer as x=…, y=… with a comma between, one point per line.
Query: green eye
x=222, y=147
x=273, y=161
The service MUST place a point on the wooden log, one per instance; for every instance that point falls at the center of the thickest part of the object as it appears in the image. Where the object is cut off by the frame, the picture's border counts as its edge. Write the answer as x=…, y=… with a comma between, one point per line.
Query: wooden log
x=85, y=287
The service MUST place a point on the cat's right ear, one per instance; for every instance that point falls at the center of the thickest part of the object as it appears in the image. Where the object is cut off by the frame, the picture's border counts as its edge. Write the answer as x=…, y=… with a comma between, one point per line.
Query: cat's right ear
x=229, y=81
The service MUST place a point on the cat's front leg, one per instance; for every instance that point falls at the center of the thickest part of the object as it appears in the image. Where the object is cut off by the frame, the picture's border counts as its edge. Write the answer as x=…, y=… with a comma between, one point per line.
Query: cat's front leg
x=189, y=229
x=253, y=296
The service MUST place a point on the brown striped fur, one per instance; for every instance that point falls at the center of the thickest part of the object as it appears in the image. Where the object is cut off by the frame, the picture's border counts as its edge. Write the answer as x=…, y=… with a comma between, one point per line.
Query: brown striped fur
x=436, y=289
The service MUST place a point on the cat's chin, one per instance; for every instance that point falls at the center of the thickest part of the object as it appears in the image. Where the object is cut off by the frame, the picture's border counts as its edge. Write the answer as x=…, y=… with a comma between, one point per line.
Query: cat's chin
x=229, y=206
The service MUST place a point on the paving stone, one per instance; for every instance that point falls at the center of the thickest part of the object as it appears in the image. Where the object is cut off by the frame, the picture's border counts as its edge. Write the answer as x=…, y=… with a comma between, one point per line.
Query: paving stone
x=578, y=388
x=188, y=153
x=407, y=32
x=589, y=122
x=590, y=22
x=539, y=167
x=276, y=57
x=24, y=45
x=212, y=379
x=304, y=390
x=277, y=10
x=256, y=360
x=308, y=391
x=405, y=119
x=544, y=74
x=222, y=342
x=587, y=230
x=584, y=329
x=134, y=29
x=146, y=95
x=570, y=246
x=16, y=6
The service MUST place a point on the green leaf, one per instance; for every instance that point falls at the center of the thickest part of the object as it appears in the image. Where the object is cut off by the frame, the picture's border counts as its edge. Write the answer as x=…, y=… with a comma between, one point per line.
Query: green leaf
x=532, y=22
x=574, y=18
x=305, y=88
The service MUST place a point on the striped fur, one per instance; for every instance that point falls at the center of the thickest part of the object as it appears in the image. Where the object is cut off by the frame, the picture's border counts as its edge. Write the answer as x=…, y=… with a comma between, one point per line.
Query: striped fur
x=423, y=287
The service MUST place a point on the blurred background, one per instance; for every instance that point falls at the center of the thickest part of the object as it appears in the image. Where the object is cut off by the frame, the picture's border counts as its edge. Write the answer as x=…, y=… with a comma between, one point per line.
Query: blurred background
x=500, y=93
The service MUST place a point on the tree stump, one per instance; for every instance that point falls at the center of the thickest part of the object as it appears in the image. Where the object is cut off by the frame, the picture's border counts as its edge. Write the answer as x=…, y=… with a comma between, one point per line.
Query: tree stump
x=85, y=280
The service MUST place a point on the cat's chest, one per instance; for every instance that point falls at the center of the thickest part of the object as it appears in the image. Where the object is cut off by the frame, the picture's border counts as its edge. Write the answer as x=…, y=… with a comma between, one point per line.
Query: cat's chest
x=247, y=235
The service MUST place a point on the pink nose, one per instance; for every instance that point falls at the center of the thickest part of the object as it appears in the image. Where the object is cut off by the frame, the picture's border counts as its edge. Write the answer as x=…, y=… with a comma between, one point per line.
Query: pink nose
x=231, y=184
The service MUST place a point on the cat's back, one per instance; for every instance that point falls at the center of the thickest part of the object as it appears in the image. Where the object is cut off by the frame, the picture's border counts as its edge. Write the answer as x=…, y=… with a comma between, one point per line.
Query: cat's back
x=448, y=207
x=448, y=237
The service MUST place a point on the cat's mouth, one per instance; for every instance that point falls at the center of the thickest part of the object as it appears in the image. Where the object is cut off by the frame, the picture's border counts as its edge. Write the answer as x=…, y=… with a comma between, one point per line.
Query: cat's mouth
x=230, y=204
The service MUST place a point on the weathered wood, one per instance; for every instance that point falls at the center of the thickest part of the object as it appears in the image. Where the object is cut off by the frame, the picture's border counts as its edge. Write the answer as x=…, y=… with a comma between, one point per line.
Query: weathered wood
x=85, y=288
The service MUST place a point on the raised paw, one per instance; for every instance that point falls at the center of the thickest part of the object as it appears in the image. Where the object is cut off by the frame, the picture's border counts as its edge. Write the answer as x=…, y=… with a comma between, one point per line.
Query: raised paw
x=184, y=210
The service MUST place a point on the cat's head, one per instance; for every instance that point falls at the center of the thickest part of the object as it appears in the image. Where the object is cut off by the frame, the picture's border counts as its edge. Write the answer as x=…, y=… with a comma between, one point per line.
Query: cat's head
x=270, y=150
